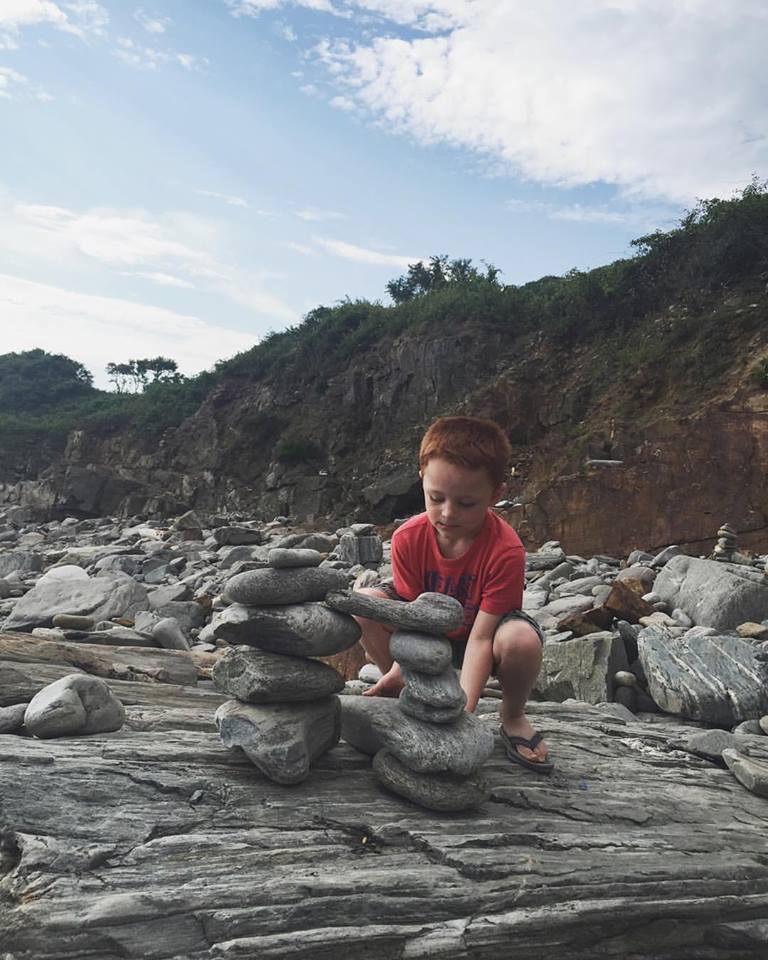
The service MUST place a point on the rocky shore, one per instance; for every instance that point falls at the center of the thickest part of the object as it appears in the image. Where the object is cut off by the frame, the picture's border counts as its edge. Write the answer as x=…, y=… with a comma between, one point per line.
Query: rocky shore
x=132, y=827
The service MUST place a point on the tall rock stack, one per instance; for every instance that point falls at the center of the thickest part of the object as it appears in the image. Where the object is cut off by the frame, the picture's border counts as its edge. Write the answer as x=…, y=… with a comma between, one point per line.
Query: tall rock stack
x=285, y=712
x=425, y=746
x=725, y=548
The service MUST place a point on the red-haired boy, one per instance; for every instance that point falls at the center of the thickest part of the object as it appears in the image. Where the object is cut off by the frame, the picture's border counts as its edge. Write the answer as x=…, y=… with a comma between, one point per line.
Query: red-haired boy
x=459, y=547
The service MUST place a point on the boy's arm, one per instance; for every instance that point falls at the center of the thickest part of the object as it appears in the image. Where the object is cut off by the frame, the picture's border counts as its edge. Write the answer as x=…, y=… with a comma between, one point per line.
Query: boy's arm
x=478, y=657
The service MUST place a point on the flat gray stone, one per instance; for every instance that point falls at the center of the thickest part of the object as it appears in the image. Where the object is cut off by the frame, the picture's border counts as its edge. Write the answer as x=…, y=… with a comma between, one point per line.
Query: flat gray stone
x=298, y=630
x=371, y=724
x=581, y=669
x=717, y=679
x=281, y=739
x=707, y=743
x=68, y=622
x=237, y=536
x=421, y=651
x=75, y=704
x=280, y=557
x=714, y=594
x=256, y=676
x=168, y=634
x=443, y=691
x=101, y=598
x=429, y=714
x=433, y=613
x=750, y=773
x=435, y=791
x=12, y=718
x=269, y=586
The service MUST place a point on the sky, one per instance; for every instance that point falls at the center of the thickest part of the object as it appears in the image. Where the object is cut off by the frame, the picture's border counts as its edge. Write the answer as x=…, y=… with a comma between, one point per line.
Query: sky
x=180, y=177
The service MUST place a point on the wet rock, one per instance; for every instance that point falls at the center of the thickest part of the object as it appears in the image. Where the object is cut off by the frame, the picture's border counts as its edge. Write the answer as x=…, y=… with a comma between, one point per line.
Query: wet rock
x=256, y=676
x=717, y=679
x=281, y=739
x=281, y=558
x=77, y=704
x=274, y=587
x=435, y=791
x=433, y=613
x=307, y=629
x=419, y=651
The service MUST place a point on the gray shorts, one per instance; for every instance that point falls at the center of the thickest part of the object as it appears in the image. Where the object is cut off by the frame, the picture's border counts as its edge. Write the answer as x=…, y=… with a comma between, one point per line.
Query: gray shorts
x=459, y=646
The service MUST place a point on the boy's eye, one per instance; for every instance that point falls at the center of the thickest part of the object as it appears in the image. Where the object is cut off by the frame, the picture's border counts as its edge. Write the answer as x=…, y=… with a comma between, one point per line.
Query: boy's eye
x=435, y=499
x=466, y=506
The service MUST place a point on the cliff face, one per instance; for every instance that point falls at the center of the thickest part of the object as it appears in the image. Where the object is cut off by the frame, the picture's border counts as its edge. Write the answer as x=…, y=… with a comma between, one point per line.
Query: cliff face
x=692, y=442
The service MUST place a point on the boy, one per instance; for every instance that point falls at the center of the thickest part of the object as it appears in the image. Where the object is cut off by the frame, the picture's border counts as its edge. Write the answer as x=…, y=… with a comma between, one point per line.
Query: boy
x=461, y=548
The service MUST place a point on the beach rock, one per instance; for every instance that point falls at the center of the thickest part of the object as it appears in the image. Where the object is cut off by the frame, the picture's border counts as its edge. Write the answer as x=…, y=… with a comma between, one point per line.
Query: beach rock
x=76, y=704
x=364, y=549
x=586, y=622
x=281, y=739
x=371, y=724
x=626, y=604
x=68, y=622
x=712, y=678
x=20, y=561
x=101, y=598
x=433, y=613
x=749, y=728
x=443, y=692
x=426, y=712
x=256, y=676
x=581, y=669
x=273, y=587
x=12, y=718
x=435, y=791
x=369, y=673
x=167, y=633
x=706, y=743
x=287, y=558
x=750, y=773
x=421, y=651
x=298, y=630
x=237, y=536
x=753, y=631
x=714, y=594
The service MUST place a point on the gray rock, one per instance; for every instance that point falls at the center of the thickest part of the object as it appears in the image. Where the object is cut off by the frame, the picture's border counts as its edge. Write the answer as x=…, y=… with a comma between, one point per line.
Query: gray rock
x=763, y=724
x=681, y=617
x=435, y=791
x=372, y=723
x=706, y=743
x=187, y=613
x=627, y=698
x=748, y=728
x=421, y=651
x=714, y=594
x=322, y=542
x=168, y=634
x=443, y=691
x=544, y=560
x=20, y=561
x=68, y=622
x=667, y=554
x=717, y=679
x=275, y=587
x=12, y=718
x=750, y=773
x=433, y=613
x=237, y=536
x=299, y=630
x=367, y=549
x=279, y=558
x=75, y=704
x=5, y=589
x=257, y=676
x=101, y=598
x=581, y=669
x=625, y=678
x=582, y=585
x=426, y=712
x=281, y=739
x=644, y=574
x=369, y=673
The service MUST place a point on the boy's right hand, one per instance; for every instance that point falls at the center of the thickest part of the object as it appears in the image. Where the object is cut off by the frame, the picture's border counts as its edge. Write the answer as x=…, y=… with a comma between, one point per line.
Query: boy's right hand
x=389, y=685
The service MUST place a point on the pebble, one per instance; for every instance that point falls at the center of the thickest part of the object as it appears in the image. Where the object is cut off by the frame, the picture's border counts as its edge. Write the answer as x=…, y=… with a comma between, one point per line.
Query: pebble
x=75, y=704
x=433, y=613
x=275, y=587
x=435, y=791
x=256, y=676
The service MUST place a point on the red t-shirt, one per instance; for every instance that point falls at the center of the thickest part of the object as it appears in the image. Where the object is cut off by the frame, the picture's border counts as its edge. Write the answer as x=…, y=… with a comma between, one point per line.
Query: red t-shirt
x=488, y=577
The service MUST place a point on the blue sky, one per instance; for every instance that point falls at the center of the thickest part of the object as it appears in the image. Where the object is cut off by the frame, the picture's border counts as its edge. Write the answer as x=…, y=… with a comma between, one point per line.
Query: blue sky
x=179, y=177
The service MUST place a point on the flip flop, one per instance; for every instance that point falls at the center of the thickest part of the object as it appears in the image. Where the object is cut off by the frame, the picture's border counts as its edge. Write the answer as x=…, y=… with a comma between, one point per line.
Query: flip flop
x=511, y=744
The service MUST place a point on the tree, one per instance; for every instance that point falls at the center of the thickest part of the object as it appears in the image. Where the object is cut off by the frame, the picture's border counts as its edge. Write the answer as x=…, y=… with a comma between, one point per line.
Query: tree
x=136, y=373
x=34, y=379
x=438, y=272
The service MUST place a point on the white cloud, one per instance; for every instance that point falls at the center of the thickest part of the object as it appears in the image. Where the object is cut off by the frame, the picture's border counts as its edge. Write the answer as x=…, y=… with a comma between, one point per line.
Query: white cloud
x=252, y=8
x=162, y=279
x=99, y=330
x=154, y=25
x=150, y=58
x=227, y=198
x=316, y=215
x=9, y=80
x=27, y=13
x=349, y=251
x=637, y=215
x=301, y=248
x=664, y=100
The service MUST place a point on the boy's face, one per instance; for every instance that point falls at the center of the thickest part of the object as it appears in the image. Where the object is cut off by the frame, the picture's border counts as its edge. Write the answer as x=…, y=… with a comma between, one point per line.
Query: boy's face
x=457, y=498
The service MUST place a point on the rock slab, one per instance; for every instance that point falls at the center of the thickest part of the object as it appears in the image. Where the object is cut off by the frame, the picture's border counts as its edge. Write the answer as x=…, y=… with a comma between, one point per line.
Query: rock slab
x=100, y=598
x=299, y=630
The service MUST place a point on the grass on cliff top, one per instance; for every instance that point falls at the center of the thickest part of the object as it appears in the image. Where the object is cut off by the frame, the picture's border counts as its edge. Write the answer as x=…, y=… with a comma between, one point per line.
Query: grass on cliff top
x=720, y=245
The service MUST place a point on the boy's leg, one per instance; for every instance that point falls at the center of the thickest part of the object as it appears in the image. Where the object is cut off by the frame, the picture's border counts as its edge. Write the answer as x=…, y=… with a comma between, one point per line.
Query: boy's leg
x=375, y=640
x=517, y=659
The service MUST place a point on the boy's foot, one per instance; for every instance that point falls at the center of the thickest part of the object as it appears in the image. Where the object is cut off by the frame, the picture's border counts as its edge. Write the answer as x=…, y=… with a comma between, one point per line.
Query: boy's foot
x=390, y=685
x=521, y=727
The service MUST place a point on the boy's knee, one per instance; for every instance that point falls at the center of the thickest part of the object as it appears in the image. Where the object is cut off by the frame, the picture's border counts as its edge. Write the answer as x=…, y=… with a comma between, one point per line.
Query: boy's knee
x=516, y=639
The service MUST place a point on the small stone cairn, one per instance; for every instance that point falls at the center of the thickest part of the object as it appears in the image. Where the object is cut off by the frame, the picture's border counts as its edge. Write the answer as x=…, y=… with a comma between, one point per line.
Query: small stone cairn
x=425, y=747
x=725, y=548
x=285, y=712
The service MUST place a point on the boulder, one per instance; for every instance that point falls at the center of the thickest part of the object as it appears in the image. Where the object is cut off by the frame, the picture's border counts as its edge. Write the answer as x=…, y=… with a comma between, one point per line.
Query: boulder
x=435, y=791
x=281, y=739
x=714, y=594
x=101, y=598
x=581, y=669
x=712, y=678
x=76, y=704
x=256, y=676
x=301, y=630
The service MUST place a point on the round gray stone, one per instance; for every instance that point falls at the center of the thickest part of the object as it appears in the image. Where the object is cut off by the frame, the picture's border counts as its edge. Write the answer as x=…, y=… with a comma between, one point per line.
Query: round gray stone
x=281, y=557
x=297, y=630
x=269, y=586
x=256, y=676
x=75, y=704
x=435, y=791
x=420, y=651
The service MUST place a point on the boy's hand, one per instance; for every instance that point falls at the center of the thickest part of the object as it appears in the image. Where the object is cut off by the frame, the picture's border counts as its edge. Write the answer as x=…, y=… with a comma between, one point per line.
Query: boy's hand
x=390, y=684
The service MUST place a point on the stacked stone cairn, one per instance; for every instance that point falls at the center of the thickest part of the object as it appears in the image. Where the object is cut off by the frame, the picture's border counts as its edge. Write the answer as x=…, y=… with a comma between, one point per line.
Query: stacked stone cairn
x=425, y=746
x=285, y=712
x=725, y=548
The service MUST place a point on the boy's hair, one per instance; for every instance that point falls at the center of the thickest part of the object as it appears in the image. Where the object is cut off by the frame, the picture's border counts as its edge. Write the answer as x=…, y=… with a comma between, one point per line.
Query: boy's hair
x=468, y=442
